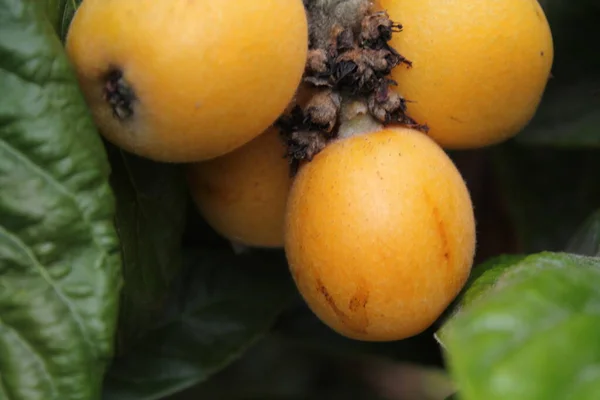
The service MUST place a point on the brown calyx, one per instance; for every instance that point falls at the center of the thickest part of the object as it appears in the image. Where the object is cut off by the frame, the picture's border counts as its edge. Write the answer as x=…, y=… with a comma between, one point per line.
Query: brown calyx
x=303, y=139
x=349, y=57
x=118, y=94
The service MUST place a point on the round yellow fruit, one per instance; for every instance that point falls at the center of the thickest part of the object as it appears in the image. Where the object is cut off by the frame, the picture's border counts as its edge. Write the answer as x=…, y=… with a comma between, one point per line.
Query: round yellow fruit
x=479, y=67
x=380, y=234
x=243, y=194
x=184, y=81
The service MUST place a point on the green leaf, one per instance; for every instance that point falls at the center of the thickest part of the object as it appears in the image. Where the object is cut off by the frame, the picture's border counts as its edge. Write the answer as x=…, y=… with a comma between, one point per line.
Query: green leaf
x=60, y=13
x=59, y=251
x=222, y=305
x=534, y=336
x=484, y=277
x=55, y=10
x=586, y=240
x=549, y=192
x=151, y=210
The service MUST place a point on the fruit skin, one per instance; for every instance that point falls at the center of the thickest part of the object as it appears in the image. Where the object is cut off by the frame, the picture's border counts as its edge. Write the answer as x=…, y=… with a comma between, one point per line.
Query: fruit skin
x=243, y=194
x=209, y=75
x=380, y=234
x=479, y=67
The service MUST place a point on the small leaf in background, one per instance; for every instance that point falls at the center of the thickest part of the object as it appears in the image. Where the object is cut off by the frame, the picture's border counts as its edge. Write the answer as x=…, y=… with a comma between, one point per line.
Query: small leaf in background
x=300, y=325
x=276, y=368
x=151, y=216
x=549, y=192
x=569, y=115
x=574, y=27
x=60, y=13
x=586, y=240
x=54, y=11
x=222, y=305
x=59, y=251
x=534, y=336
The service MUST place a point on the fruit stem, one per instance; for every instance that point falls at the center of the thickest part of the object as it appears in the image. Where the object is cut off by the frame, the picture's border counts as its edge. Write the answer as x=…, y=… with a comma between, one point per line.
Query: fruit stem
x=355, y=118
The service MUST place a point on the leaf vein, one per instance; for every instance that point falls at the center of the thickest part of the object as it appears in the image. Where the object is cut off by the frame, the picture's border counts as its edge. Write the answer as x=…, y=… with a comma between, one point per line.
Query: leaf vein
x=40, y=360
x=60, y=187
x=44, y=274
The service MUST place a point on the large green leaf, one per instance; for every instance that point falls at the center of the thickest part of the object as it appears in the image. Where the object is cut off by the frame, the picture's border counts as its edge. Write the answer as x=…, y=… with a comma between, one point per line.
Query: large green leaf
x=151, y=209
x=222, y=305
x=586, y=240
x=483, y=278
x=59, y=251
x=534, y=336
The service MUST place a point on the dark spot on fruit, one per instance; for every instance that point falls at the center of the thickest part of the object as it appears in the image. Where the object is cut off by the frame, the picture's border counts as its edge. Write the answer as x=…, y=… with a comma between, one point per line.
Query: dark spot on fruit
x=118, y=94
x=323, y=290
x=453, y=118
x=359, y=300
x=358, y=324
x=542, y=53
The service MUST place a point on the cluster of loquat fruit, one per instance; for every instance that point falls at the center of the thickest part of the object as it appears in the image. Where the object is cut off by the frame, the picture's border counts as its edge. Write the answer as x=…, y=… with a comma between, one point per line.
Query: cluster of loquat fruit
x=377, y=224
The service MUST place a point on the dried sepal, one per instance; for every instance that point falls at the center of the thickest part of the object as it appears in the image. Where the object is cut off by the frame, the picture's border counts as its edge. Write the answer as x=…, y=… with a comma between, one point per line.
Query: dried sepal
x=376, y=30
x=322, y=110
x=349, y=59
x=302, y=139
